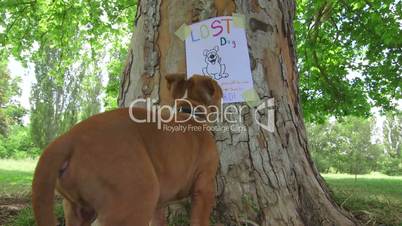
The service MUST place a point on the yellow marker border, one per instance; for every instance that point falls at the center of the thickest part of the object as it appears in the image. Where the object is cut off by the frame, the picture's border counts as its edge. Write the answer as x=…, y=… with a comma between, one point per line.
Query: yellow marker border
x=183, y=32
x=239, y=20
x=251, y=97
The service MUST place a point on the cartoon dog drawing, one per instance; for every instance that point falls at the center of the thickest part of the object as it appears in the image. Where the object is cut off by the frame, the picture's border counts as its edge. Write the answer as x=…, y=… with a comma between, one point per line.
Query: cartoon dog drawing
x=215, y=68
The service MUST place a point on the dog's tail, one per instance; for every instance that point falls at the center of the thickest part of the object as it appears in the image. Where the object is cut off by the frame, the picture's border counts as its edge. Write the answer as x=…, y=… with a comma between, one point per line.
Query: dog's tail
x=45, y=177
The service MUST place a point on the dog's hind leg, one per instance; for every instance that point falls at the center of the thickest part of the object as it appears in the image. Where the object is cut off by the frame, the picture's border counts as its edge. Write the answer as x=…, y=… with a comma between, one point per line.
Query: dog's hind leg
x=129, y=210
x=69, y=215
x=134, y=196
x=77, y=216
x=159, y=218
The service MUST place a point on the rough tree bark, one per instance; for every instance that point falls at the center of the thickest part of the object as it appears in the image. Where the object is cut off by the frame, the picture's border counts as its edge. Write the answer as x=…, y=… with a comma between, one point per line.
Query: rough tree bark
x=266, y=178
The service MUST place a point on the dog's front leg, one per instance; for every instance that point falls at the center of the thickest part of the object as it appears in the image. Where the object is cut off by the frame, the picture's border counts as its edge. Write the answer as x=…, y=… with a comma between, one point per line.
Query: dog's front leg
x=202, y=201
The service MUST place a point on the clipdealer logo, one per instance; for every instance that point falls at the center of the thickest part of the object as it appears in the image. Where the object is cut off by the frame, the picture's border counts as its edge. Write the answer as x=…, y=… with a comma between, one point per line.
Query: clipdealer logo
x=268, y=105
x=264, y=114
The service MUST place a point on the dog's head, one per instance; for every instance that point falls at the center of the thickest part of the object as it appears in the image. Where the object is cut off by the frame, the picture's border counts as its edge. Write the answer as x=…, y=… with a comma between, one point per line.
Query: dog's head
x=211, y=56
x=198, y=90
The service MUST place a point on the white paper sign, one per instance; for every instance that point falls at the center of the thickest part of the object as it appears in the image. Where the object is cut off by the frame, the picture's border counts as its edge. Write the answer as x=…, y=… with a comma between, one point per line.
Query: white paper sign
x=217, y=48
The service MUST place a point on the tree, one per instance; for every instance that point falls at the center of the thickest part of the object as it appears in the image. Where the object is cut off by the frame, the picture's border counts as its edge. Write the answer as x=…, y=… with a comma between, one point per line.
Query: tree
x=115, y=68
x=393, y=134
x=349, y=56
x=334, y=38
x=345, y=146
x=326, y=147
x=356, y=134
x=267, y=178
x=392, y=142
x=69, y=43
x=98, y=28
x=18, y=144
x=11, y=112
x=367, y=33
x=61, y=100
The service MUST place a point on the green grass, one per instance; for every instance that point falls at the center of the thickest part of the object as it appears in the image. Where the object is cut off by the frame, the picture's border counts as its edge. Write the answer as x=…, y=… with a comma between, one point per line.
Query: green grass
x=15, y=182
x=26, y=217
x=375, y=199
x=16, y=177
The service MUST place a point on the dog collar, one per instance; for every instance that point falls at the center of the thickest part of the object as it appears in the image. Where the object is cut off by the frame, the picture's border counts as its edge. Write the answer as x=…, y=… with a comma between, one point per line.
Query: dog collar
x=190, y=111
x=185, y=110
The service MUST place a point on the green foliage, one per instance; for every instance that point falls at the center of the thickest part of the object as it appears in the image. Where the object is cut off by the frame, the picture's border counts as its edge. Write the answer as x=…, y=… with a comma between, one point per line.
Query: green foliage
x=15, y=140
x=392, y=129
x=10, y=111
x=393, y=135
x=345, y=147
x=115, y=68
x=58, y=102
x=392, y=166
x=68, y=42
x=65, y=25
x=337, y=37
x=19, y=144
x=334, y=38
x=73, y=28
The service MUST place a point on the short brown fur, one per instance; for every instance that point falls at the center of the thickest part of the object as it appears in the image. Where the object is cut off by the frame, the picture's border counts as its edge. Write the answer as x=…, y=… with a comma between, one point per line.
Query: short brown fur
x=123, y=172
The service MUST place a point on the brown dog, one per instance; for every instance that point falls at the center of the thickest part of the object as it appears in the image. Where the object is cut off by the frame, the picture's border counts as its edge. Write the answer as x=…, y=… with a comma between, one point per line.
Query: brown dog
x=123, y=172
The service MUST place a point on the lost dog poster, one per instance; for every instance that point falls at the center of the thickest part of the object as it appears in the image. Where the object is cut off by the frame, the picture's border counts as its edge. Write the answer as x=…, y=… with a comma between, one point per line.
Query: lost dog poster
x=218, y=48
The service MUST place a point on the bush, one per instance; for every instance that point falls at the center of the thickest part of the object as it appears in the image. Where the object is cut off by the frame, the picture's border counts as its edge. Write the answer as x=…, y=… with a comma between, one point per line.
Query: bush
x=344, y=146
x=392, y=166
x=18, y=144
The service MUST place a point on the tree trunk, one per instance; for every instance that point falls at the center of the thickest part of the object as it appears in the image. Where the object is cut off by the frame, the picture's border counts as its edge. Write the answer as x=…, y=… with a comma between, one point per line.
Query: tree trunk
x=265, y=178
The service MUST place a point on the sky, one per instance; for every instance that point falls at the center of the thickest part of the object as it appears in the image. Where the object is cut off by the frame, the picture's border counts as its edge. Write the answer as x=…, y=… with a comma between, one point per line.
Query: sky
x=27, y=76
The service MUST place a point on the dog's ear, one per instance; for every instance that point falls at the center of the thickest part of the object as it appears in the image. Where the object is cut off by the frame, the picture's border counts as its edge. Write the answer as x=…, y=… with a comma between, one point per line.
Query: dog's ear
x=174, y=79
x=205, y=52
x=215, y=92
x=216, y=48
x=208, y=90
x=176, y=84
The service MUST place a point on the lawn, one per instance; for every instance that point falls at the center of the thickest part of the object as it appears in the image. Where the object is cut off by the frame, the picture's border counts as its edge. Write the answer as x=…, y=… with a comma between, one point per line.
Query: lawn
x=15, y=187
x=376, y=199
x=16, y=177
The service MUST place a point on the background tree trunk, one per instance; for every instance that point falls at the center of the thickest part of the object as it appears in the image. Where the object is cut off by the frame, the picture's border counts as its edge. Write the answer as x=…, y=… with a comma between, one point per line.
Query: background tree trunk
x=266, y=178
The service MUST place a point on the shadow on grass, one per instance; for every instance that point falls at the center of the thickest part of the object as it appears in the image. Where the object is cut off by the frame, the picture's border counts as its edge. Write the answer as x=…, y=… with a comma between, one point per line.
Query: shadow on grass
x=26, y=218
x=14, y=183
x=375, y=201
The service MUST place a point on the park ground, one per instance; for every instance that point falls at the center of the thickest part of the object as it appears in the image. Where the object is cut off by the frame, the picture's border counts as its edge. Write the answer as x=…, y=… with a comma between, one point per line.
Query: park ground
x=375, y=199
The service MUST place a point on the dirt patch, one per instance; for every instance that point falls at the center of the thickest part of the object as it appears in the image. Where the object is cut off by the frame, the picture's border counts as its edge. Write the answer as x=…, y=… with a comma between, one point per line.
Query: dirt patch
x=10, y=207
